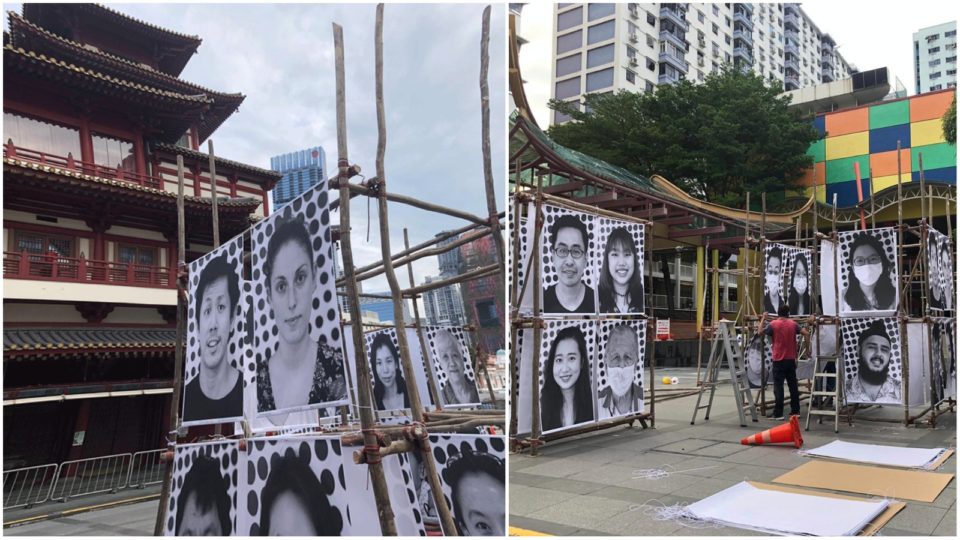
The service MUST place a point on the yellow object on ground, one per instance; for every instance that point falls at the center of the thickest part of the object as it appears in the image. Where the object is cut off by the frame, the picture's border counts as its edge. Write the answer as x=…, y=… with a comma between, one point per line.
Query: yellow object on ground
x=517, y=531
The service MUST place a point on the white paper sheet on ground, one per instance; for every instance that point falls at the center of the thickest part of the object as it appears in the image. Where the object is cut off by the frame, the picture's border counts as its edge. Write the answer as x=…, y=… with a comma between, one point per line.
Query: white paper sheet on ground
x=777, y=512
x=895, y=456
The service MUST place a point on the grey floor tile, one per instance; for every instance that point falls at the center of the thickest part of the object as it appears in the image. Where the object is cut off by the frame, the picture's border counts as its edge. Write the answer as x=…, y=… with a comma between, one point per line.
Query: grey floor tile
x=918, y=519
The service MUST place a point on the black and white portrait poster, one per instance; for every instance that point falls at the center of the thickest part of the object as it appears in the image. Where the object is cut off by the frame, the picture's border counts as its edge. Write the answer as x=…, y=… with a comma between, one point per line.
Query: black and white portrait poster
x=401, y=486
x=203, y=491
x=787, y=279
x=567, y=392
x=868, y=272
x=872, y=359
x=452, y=366
x=939, y=271
x=758, y=361
x=943, y=337
x=473, y=476
x=299, y=356
x=618, y=253
x=828, y=278
x=386, y=372
x=568, y=274
x=294, y=487
x=621, y=350
x=216, y=328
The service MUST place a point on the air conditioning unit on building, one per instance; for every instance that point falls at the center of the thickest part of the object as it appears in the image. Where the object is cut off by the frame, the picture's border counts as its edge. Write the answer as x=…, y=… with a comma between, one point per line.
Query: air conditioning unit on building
x=634, y=13
x=634, y=38
x=700, y=61
x=702, y=44
x=634, y=62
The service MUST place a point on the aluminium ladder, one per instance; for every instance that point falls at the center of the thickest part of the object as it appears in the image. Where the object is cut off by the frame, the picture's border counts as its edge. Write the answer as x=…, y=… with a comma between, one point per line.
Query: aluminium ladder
x=821, y=380
x=723, y=346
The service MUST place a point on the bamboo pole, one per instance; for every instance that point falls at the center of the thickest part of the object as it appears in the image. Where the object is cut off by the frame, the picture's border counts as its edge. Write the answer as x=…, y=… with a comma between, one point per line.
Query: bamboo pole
x=485, y=129
x=431, y=383
x=901, y=287
x=367, y=421
x=413, y=393
x=478, y=273
x=515, y=332
x=535, y=428
x=416, y=203
x=465, y=239
x=218, y=428
x=178, y=353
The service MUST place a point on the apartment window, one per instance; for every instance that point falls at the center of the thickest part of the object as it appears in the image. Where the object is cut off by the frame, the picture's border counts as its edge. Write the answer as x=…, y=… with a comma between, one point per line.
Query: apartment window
x=568, y=65
x=951, y=72
x=716, y=29
x=651, y=42
x=132, y=254
x=727, y=57
x=933, y=50
x=42, y=243
x=700, y=16
x=936, y=87
x=41, y=136
x=951, y=59
x=935, y=62
x=599, y=79
x=728, y=21
x=569, y=42
x=631, y=77
x=567, y=89
x=933, y=37
x=112, y=152
x=569, y=19
x=599, y=56
x=649, y=86
x=950, y=33
x=726, y=39
x=716, y=11
x=600, y=32
x=599, y=11
x=651, y=65
x=651, y=20
x=631, y=52
x=935, y=75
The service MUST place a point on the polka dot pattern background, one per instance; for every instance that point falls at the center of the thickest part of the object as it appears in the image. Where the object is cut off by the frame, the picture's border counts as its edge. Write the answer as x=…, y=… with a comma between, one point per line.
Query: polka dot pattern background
x=754, y=373
x=439, y=373
x=445, y=447
x=602, y=228
x=938, y=242
x=416, y=355
x=548, y=274
x=547, y=337
x=321, y=454
x=603, y=337
x=888, y=238
x=850, y=330
x=234, y=252
x=231, y=460
x=312, y=208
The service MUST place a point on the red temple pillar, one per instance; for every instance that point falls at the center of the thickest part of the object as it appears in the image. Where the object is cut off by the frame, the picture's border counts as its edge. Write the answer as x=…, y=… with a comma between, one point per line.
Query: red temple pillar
x=233, y=185
x=86, y=141
x=266, y=204
x=80, y=431
x=196, y=179
x=138, y=152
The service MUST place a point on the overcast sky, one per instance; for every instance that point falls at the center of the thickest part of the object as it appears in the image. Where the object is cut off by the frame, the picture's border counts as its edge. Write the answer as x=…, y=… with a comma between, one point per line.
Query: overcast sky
x=281, y=57
x=869, y=34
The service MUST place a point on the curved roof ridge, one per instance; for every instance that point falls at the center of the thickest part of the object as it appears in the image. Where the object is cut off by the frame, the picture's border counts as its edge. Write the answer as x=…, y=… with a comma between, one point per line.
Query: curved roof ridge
x=152, y=27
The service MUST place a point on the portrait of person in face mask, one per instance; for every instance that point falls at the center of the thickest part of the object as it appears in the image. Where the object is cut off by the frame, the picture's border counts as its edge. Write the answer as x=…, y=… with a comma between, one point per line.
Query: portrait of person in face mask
x=771, y=283
x=934, y=272
x=869, y=284
x=946, y=272
x=621, y=396
x=799, y=295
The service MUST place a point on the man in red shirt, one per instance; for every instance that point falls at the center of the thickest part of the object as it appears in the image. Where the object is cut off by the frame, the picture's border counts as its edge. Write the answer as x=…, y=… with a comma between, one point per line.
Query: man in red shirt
x=784, y=332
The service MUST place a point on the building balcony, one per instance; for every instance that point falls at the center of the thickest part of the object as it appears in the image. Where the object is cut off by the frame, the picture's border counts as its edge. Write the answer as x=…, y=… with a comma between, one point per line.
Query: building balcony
x=791, y=47
x=51, y=267
x=676, y=40
x=827, y=75
x=792, y=64
x=674, y=14
x=668, y=78
x=792, y=35
x=746, y=7
x=791, y=20
x=675, y=60
x=744, y=53
x=742, y=17
x=826, y=47
x=791, y=82
x=745, y=36
x=827, y=60
x=70, y=163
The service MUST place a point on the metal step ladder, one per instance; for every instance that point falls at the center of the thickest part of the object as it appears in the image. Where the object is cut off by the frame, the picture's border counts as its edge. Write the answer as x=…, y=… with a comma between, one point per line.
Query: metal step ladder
x=724, y=347
x=820, y=379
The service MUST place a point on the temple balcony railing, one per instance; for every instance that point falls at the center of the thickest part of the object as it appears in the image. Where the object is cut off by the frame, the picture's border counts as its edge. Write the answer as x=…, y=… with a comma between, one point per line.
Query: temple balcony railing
x=86, y=167
x=52, y=267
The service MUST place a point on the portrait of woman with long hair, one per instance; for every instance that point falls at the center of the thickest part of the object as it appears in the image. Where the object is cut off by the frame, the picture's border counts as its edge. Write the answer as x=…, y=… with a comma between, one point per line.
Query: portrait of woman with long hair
x=566, y=398
x=621, y=275
x=389, y=386
x=869, y=284
x=799, y=297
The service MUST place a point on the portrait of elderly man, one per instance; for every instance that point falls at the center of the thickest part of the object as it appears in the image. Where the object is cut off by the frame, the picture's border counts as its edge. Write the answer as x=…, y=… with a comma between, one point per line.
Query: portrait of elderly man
x=873, y=382
x=458, y=389
x=621, y=396
x=569, y=246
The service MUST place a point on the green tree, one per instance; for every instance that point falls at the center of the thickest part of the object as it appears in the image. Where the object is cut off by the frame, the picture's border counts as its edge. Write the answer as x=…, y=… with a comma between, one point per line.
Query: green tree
x=950, y=122
x=716, y=140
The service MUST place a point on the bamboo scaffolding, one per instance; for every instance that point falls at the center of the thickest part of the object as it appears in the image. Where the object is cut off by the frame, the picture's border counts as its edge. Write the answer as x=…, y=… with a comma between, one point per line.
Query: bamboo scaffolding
x=431, y=383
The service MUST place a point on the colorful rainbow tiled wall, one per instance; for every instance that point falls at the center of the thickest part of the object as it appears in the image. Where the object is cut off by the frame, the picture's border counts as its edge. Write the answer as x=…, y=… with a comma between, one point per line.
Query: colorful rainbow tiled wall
x=868, y=135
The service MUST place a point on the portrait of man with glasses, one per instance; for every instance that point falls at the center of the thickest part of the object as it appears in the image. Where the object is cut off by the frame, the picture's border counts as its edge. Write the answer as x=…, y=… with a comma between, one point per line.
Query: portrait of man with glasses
x=870, y=274
x=569, y=247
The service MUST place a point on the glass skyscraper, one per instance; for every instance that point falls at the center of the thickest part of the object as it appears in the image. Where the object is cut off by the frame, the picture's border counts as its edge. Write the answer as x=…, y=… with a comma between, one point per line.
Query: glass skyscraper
x=301, y=171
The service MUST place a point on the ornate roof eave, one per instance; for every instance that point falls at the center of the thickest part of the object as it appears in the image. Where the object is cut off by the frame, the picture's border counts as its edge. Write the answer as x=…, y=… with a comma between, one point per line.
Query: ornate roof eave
x=23, y=30
x=180, y=47
x=142, y=195
x=882, y=200
x=172, y=149
x=30, y=341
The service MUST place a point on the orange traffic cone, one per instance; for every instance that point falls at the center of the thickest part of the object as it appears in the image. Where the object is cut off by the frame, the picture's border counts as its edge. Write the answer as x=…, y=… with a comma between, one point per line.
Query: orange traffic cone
x=784, y=433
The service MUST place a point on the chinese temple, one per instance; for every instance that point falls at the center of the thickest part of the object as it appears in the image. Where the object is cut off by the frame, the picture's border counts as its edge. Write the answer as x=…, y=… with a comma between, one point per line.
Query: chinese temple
x=95, y=116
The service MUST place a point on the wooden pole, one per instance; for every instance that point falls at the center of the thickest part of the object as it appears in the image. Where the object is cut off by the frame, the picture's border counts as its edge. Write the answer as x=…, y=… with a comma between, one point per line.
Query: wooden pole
x=178, y=353
x=477, y=273
x=416, y=408
x=900, y=287
x=465, y=239
x=485, y=121
x=218, y=428
x=431, y=384
x=367, y=420
x=535, y=428
x=515, y=332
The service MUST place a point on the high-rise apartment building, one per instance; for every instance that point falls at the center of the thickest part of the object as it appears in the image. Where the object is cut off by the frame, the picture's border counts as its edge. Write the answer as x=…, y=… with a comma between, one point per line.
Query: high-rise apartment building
x=301, y=171
x=935, y=57
x=601, y=48
x=444, y=306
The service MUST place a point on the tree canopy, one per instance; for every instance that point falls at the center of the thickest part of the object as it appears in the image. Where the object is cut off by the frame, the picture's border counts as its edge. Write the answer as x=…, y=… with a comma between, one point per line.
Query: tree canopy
x=950, y=122
x=716, y=140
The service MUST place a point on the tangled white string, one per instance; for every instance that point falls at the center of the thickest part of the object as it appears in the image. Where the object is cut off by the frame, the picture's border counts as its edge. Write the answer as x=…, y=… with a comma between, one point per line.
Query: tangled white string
x=677, y=513
x=656, y=474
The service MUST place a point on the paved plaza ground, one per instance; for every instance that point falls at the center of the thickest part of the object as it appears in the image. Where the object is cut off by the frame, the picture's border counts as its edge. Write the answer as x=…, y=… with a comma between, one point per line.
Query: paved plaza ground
x=585, y=485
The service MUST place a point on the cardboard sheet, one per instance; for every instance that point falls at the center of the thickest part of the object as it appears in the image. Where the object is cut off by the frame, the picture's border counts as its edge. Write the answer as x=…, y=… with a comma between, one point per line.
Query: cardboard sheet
x=882, y=482
x=744, y=505
x=871, y=529
x=878, y=454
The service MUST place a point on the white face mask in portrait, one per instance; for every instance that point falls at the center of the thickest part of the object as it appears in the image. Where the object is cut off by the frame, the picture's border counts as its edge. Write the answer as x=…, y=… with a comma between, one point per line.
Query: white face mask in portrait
x=800, y=284
x=773, y=283
x=621, y=378
x=868, y=274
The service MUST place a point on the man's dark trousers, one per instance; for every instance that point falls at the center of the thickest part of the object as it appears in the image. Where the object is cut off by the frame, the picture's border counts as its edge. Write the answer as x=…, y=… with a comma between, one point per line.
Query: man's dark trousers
x=785, y=369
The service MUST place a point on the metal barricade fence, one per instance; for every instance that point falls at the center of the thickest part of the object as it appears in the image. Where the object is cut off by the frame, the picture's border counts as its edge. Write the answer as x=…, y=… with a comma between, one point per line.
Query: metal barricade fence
x=93, y=475
x=28, y=486
x=146, y=469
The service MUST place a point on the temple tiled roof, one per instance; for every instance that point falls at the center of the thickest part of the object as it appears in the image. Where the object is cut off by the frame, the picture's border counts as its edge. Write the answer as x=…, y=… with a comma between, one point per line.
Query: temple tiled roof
x=99, y=339
x=190, y=153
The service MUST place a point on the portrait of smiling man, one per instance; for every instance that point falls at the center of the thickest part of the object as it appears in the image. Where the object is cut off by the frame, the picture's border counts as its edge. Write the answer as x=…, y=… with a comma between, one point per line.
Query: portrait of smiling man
x=569, y=248
x=874, y=382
